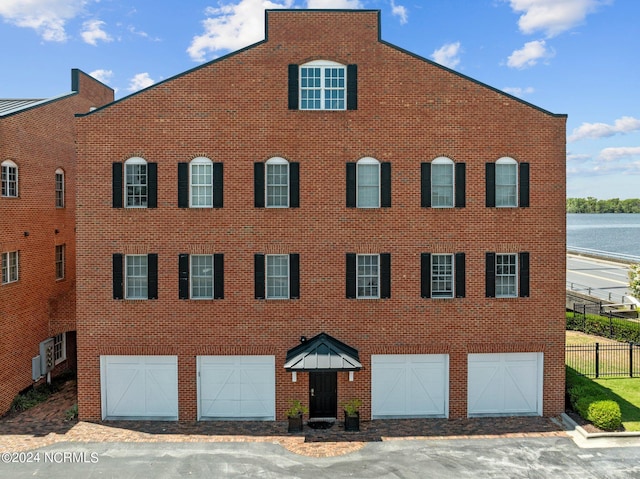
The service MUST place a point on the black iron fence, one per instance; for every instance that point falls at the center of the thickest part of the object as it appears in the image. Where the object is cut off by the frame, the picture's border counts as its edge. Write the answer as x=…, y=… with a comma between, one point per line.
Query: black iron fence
x=604, y=360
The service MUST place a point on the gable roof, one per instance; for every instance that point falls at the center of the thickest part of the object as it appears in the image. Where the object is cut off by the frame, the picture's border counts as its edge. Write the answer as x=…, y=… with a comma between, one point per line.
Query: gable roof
x=322, y=353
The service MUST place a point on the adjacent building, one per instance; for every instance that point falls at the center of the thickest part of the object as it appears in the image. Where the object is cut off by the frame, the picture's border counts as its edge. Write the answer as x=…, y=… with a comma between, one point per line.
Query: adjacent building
x=320, y=216
x=37, y=233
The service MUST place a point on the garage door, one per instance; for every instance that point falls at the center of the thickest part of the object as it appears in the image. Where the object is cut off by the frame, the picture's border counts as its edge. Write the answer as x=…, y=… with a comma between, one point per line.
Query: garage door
x=409, y=385
x=139, y=387
x=505, y=384
x=236, y=387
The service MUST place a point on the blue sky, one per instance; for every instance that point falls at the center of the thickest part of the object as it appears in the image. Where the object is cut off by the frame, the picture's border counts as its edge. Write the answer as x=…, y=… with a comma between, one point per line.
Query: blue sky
x=578, y=57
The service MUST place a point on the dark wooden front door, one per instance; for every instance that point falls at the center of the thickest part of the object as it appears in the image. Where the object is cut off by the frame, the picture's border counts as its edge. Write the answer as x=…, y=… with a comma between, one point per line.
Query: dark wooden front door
x=323, y=394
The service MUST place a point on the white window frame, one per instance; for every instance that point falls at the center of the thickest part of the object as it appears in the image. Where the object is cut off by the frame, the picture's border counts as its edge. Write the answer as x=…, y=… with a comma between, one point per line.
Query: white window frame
x=59, y=348
x=9, y=178
x=142, y=196
x=193, y=278
x=10, y=267
x=442, y=274
x=196, y=187
x=362, y=164
x=143, y=288
x=60, y=261
x=506, y=189
x=59, y=188
x=276, y=282
x=506, y=283
x=440, y=199
x=364, y=277
x=269, y=190
x=325, y=85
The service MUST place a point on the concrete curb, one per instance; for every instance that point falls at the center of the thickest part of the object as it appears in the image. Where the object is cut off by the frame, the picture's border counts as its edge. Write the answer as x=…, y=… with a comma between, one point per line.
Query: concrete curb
x=586, y=439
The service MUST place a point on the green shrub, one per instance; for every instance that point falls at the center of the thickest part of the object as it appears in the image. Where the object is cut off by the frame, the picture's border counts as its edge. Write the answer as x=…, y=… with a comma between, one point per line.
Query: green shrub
x=604, y=414
x=32, y=397
x=615, y=328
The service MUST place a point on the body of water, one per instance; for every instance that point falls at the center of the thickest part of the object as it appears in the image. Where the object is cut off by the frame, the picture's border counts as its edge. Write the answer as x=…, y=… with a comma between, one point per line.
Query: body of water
x=617, y=233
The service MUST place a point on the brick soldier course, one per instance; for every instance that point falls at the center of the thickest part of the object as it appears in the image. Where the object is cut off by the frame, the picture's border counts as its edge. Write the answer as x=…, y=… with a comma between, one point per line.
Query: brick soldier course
x=241, y=110
x=38, y=140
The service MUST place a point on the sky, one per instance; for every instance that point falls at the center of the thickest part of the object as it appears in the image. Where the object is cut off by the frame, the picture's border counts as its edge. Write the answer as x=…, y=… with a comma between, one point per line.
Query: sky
x=577, y=57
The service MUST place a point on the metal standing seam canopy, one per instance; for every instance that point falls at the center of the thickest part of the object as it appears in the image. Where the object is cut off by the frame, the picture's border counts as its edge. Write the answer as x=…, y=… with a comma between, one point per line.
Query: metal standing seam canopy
x=322, y=353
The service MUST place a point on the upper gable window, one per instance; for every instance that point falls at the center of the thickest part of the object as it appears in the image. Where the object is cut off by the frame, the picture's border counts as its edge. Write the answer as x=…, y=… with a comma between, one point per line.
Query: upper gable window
x=9, y=179
x=506, y=182
x=323, y=85
x=135, y=174
x=442, y=183
x=59, y=188
x=201, y=183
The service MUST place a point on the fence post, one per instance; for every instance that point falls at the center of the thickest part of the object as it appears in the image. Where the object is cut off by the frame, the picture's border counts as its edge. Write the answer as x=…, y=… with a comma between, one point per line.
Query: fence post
x=597, y=360
x=630, y=359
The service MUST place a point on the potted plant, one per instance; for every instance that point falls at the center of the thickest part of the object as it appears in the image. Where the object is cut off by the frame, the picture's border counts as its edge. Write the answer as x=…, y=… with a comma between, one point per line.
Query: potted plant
x=294, y=415
x=352, y=414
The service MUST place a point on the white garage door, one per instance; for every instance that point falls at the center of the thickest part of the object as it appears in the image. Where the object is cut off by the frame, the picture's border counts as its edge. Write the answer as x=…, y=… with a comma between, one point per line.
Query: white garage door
x=505, y=384
x=139, y=387
x=409, y=385
x=236, y=387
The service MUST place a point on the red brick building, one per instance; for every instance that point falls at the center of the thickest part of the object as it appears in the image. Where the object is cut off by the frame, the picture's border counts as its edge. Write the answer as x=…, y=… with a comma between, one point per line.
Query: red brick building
x=320, y=216
x=37, y=238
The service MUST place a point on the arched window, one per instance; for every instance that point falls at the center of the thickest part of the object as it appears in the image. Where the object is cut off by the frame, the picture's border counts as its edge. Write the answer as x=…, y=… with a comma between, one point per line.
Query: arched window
x=9, y=179
x=201, y=183
x=277, y=183
x=368, y=183
x=135, y=174
x=506, y=182
x=442, y=183
x=323, y=85
x=59, y=188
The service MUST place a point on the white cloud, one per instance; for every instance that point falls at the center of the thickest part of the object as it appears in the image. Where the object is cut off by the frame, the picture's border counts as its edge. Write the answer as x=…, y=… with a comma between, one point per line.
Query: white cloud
x=625, y=124
x=399, y=11
x=348, y=4
x=529, y=55
x=447, y=55
x=140, y=81
x=619, y=152
x=102, y=75
x=92, y=32
x=578, y=157
x=46, y=17
x=232, y=26
x=518, y=91
x=553, y=16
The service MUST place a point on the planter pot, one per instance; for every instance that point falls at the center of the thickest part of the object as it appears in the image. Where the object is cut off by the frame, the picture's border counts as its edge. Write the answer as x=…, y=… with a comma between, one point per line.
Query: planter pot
x=295, y=424
x=352, y=423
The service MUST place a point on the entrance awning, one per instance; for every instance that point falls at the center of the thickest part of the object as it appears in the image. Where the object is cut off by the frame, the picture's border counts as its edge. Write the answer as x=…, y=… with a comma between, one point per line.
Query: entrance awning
x=322, y=353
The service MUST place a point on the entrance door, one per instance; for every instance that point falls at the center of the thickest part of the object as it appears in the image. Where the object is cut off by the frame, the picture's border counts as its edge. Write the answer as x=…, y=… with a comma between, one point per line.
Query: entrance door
x=323, y=394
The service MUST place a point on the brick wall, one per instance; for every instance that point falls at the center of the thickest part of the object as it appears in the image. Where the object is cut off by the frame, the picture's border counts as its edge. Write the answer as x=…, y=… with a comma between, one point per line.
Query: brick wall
x=234, y=111
x=39, y=140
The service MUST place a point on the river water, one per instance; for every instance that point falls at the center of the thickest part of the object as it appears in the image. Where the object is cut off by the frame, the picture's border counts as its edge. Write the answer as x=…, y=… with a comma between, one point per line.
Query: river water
x=617, y=233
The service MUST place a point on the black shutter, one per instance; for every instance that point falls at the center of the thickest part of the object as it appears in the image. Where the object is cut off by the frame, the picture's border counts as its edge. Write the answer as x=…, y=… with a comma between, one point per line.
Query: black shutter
x=118, y=286
x=425, y=273
x=385, y=190
x=152, y=185
x=258, y=261
x=183, y=276
x=524, y=185
x=490, y=275
x=116, y=185
x=425, y=185
x=490, y=180
x=351, y=185
x=523, y=266
x=183, y=185
x=460, y=275
x=461, y=185
x=351, y=275
x=218, y=185
x=152, y=276
x=293, y=87
x=218, y=276
x=294, y=185
x=352, y=87
x=294, y=276
x=385, y=275
x=258, y=185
